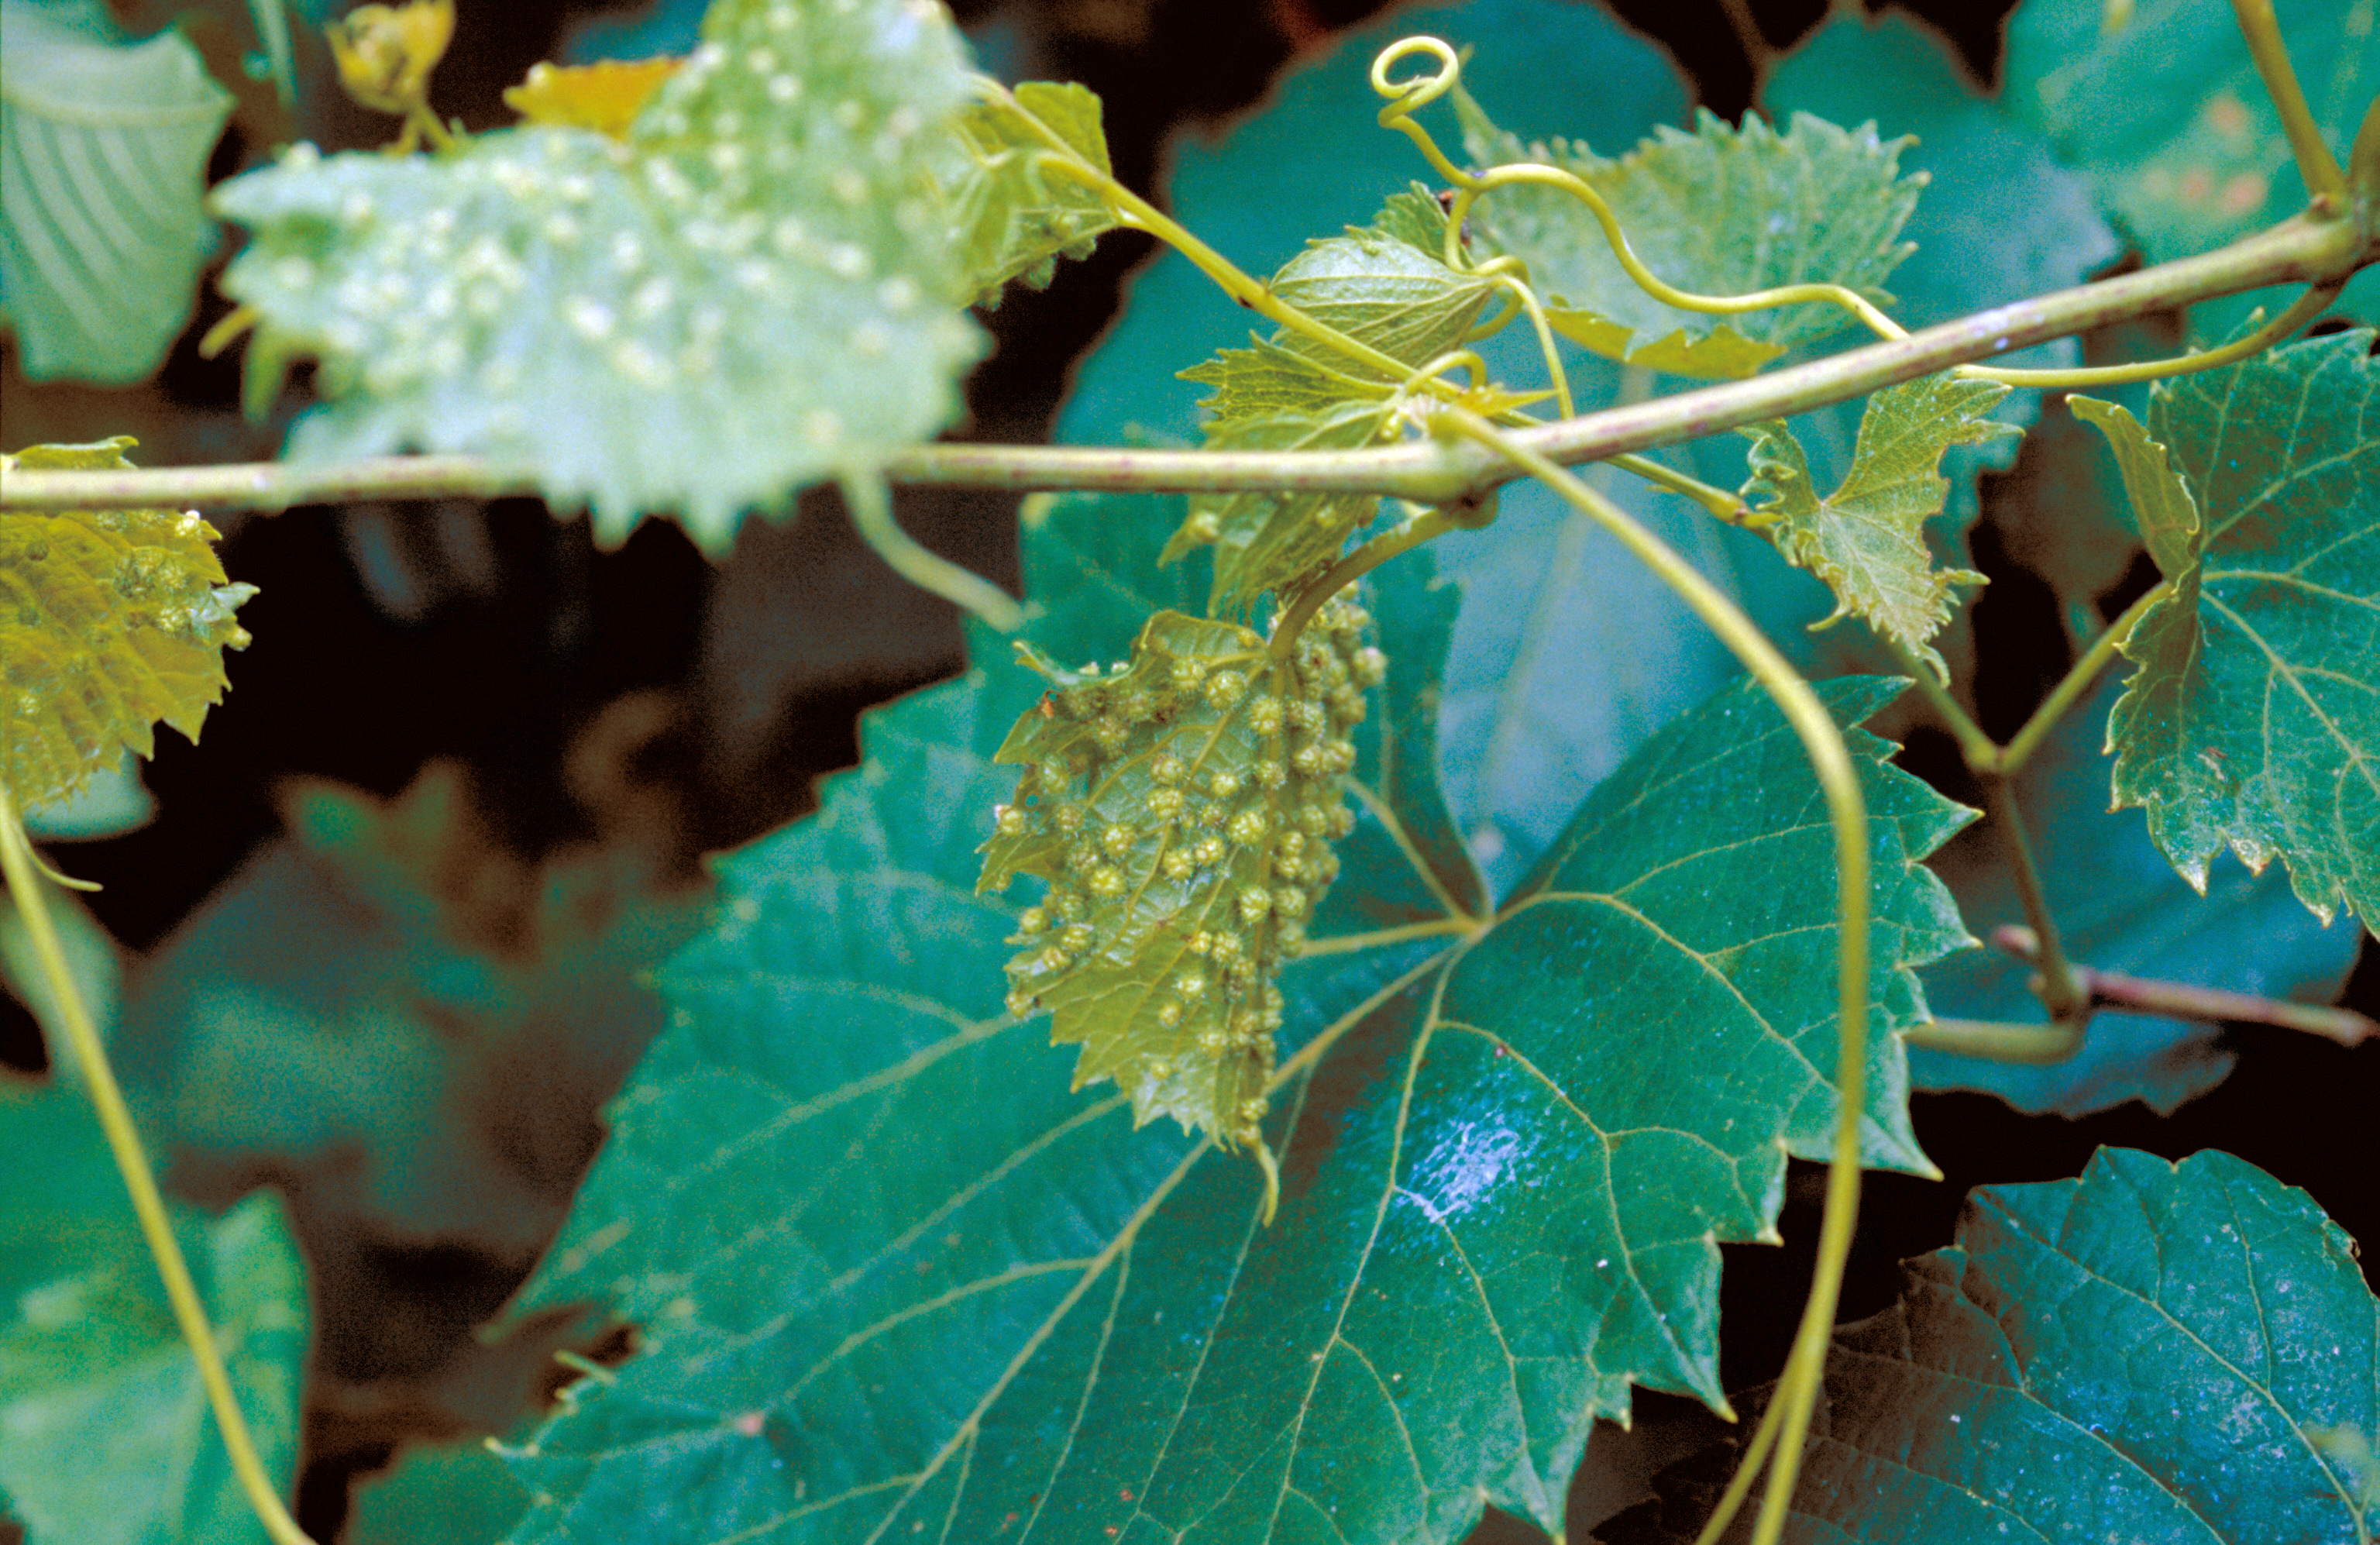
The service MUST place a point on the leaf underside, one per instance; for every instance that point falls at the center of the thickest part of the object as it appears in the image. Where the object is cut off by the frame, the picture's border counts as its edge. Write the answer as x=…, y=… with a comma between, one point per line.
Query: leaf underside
x=2154, y=1351
x=2252, y=719
x=1720, y=211
x=1386, y=284
x=110, y=621
x=923, y=1265
x=1015, y=214
x=1867, y=538
x=102, y=164
x=752, y=292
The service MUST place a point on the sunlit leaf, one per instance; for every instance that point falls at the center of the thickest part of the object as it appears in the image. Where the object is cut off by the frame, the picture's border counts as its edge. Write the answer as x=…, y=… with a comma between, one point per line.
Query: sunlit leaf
x=1016, y=214
x=1867, y=538
x=1387, y=286
x=105, y=1437
x=750, y=293
x=1183, y=808
x=1718, y=212
x=103, y=151
x=2153, y=1351
x=110, y=621
x=2253, y=721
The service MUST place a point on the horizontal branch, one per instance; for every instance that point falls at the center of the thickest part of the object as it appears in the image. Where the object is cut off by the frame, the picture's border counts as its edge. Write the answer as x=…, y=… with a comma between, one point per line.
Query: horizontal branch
x=2305, y=249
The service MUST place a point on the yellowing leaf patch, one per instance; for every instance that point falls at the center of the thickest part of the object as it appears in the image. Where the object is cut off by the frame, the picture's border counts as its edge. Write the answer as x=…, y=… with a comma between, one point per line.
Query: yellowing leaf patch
x=605, y=96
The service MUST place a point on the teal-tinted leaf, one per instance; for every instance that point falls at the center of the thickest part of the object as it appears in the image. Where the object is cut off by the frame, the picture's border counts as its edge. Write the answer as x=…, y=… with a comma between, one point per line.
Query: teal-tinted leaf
x=1386, y=286
x=1867, y=538
x=2166, y=116
x=271, y=19
x=1720, y=211
x=750, y=293
x=2119, y=907
x=2162, y=508
x=2154, y=1351
x=1025, y=1307
x=104, y=152
x=105, y=1437
x=2254, y=719
x=1015, y=214
x=457, y=1493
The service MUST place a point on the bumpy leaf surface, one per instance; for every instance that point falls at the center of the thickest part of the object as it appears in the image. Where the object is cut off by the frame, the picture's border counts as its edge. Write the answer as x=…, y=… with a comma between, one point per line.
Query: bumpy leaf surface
x=104, y=155
x=752, y=292
x=1387, y=286
x=2119, y=907
x=105, y=1437
x=1867, y=538
x=1720, y=211
x=1015, y=214
x=2254, y=719
x=2166, y=116
x=891, y=1272
x=1183, y=808
x=110, y=621
x=2154, y=1351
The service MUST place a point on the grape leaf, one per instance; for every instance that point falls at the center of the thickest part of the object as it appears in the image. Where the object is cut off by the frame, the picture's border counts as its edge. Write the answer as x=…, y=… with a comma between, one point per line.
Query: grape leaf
x=1867, y=538
x=2121, y=909
x=1015, y=217
x=845, y=1337
x=1387, y=286
x=2252, y=721
x=1720, y=211
x=2162, y=509
x=2166, y=116
x=2154, y=1351
x=1183, y=808
x=103, y=151
x=457, y=1493
x=750, y=293
x=105, y=1437
x=109, y=621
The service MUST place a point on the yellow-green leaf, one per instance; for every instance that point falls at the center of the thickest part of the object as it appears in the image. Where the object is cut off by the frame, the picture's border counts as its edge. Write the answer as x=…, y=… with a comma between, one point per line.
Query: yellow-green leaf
x=1183, y=808
x=1867, y=538
x=2161, y=501
x=110, y=620
x=1013, y=212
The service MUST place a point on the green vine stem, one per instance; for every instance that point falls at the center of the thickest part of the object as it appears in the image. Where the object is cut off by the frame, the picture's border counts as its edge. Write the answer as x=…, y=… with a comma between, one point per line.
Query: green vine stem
x=2305, y=309
x=2317, y=166
x=2304, y=249
x=1823, y=743
x=17, y=863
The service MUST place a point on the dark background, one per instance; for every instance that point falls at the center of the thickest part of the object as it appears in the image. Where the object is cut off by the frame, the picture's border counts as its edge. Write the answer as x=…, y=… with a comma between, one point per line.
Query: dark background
x=391, y=634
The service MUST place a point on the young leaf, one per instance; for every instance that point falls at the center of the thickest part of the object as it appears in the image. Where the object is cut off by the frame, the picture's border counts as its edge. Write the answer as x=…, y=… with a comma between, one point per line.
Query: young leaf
x=1718, y=212
x=2161, y=501
x=2254, y=719
x=1183, y=808
x=863, y=1335
x=2154, y=1351
x=1387, y=286
x=2121, y=909
x=109, y=621
x=104, y=1435
x=100, y=232
x=751, y=293
x=1015, y=216
x=1867, y=540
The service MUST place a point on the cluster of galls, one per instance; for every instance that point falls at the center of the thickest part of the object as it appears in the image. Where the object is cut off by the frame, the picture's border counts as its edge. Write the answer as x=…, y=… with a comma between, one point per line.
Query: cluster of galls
x=1183, y=808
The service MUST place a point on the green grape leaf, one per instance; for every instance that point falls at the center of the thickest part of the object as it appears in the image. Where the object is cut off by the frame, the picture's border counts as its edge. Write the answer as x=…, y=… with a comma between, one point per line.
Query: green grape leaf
x=1387, y=286
x=105, y=1437
x=458, y=1493
x=1183, y=808
x=752, y=293
x=1468, y=1172
x=1015, y=216
x=2168, y=118
x=104, y=167
x=109, y=621
x=2122, y=911
x=2153, y=1351
x=1718, y=212
x=2252, y=721
x=1867, y=538
x=2161, y=503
